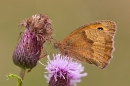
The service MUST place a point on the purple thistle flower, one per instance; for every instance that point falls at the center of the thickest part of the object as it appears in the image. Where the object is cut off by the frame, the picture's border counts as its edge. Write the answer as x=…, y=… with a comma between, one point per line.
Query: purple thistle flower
x=38, y=31
x=63, y=71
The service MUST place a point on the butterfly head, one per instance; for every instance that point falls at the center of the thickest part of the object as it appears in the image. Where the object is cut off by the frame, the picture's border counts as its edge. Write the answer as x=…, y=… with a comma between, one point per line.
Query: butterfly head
x=62, y=47
x=55, y=45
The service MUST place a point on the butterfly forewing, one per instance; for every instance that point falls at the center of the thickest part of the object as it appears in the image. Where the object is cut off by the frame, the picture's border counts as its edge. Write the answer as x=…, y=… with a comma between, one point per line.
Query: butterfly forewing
x=91, y=43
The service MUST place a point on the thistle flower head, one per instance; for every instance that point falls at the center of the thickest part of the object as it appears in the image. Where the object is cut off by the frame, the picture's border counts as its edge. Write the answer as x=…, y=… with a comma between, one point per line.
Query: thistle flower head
x=38, y=31
x=40, y=25
x=62, y=71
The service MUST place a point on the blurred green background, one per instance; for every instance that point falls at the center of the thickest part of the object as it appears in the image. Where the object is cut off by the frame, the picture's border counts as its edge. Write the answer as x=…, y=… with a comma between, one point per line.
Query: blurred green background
x=67, y=15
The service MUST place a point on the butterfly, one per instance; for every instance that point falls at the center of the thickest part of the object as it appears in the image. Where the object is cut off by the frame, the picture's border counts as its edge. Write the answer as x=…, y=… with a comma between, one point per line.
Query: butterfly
x=92, y=43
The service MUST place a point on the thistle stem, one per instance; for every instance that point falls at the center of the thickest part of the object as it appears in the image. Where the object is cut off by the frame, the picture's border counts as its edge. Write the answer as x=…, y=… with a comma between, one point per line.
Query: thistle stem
x=21, y=75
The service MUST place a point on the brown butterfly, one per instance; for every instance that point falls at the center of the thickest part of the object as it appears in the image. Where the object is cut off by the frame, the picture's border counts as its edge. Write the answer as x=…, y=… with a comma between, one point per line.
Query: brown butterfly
x=91, y=43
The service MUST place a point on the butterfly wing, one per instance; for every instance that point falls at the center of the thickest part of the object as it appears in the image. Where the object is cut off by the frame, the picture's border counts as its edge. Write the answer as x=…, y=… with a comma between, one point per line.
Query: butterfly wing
x=92, y=43
x=102, y=47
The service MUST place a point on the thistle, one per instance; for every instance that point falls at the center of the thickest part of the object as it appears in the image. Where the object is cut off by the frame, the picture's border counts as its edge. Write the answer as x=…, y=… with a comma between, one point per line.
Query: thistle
x=63, y=71
x=37, y=31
